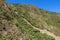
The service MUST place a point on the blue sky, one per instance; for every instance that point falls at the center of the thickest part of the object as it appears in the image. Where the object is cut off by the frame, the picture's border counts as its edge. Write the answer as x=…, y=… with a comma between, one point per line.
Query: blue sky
x=50, y=5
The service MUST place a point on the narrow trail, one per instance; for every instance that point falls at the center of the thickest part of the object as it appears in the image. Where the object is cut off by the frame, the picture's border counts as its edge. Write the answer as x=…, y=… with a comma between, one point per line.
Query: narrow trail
x=44, y=31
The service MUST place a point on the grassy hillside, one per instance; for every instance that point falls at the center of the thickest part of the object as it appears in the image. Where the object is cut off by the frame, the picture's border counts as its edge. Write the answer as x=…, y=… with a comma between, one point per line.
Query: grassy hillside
x=52, y=19
x=14, y=27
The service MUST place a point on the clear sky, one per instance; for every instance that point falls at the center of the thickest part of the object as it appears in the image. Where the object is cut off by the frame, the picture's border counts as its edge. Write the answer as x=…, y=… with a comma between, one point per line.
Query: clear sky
x=50, y=5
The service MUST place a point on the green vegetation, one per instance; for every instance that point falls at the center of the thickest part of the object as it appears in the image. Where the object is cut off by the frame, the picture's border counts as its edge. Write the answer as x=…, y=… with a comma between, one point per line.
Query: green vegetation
x=13, y=26
x=52, y=18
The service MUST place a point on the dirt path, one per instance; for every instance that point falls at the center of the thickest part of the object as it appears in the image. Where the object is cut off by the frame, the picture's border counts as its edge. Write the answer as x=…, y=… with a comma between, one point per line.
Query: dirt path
x=44, y=31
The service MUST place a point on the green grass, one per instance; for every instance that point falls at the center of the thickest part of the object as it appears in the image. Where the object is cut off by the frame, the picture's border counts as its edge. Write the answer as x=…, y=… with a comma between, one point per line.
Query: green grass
x=31, y=33
x=52, y=18
x=34, y=16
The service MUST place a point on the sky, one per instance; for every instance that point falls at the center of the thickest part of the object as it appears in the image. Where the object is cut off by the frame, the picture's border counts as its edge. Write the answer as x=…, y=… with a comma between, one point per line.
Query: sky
x=50, y=5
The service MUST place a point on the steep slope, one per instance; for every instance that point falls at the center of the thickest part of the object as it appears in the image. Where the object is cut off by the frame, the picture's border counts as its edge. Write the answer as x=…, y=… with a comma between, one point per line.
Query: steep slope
x=26, y=22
